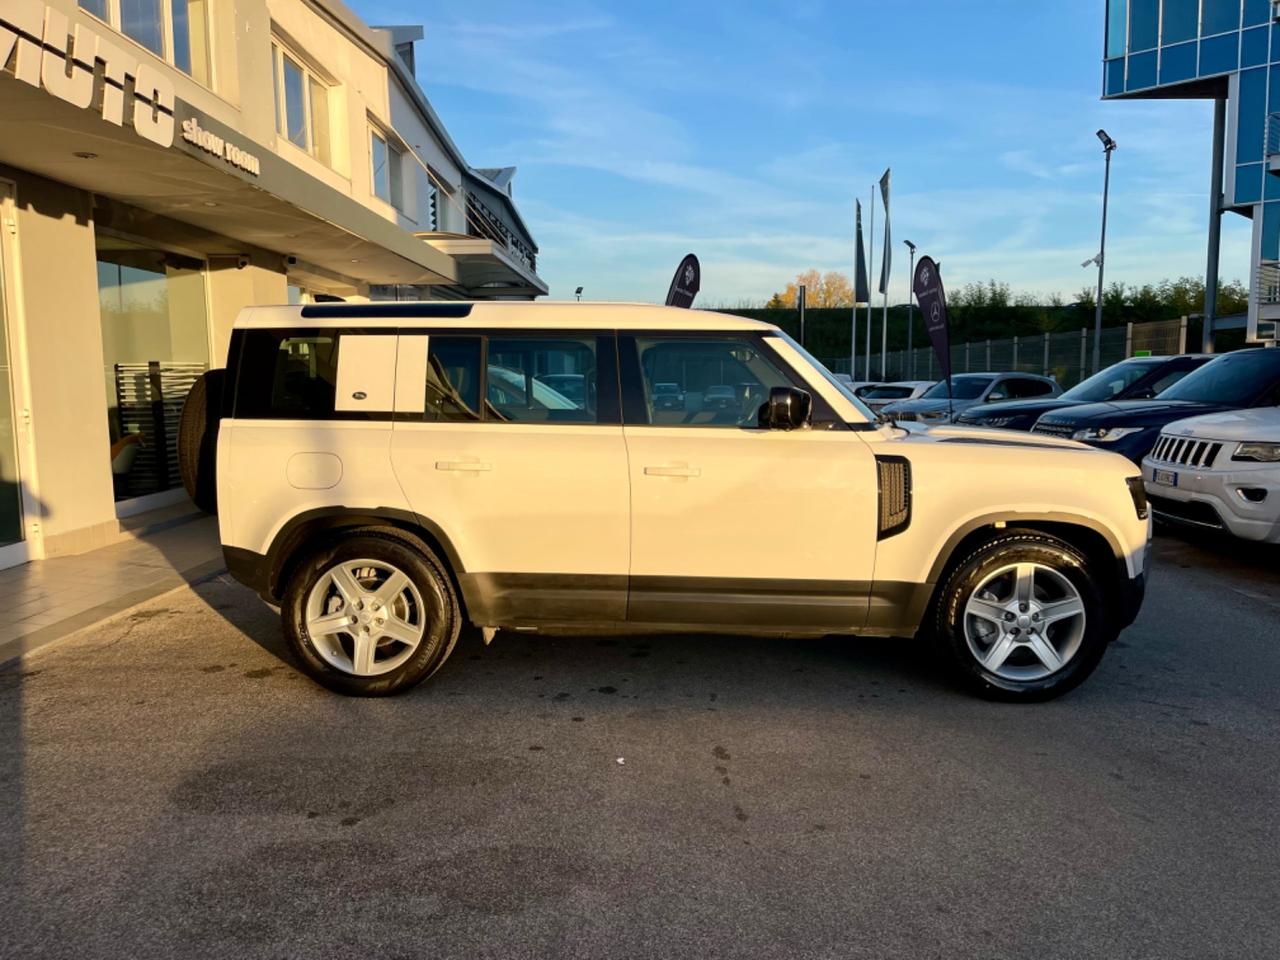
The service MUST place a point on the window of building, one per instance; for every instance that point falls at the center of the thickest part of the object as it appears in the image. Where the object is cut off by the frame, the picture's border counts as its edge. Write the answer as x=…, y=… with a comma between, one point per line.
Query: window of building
x=1219, y=16
x=155, y=343
x=1117, y=27
x=1144, y=24
x=541, y=379
x=705, y=382
x=386, y=161
x=1180, y=21
x=176, y=30
x=302, y=104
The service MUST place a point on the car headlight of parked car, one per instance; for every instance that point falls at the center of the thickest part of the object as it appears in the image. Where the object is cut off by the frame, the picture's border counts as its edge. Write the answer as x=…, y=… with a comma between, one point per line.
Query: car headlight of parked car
x=933, y=415
x=998, y=421
x=1258, y=452
x=1105, y=434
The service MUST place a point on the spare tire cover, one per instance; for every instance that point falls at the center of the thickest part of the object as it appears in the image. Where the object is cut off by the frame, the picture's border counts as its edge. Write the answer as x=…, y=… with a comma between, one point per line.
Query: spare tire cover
x=198, y=439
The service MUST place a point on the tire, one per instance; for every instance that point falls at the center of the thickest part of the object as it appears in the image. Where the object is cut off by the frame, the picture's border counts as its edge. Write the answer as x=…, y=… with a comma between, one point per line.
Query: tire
x=198, y=439
x=337, y=659
x=977, y=638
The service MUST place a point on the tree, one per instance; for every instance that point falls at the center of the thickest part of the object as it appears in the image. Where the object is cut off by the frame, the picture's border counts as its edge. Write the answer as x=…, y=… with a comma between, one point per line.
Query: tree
x=832, y=289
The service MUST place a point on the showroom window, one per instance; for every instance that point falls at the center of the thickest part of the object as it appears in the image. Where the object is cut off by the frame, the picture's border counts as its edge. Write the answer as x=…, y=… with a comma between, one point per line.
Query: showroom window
x=177, y=30
x=155, y=344
x=1144, y=24
x=386, y=161
x=302, y=104
x=1181, y=21
x=1219, y=16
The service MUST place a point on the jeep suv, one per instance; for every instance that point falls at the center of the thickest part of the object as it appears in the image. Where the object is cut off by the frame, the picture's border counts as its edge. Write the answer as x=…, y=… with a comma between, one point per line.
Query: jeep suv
x=391, y=474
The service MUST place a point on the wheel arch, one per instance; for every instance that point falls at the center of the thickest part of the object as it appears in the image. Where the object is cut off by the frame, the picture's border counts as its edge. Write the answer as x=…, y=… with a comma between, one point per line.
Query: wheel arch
x=304, y=532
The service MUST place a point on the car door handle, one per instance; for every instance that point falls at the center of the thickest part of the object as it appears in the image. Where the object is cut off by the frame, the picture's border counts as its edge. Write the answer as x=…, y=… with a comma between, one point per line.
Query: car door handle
x=464, y=466
x=672, y=471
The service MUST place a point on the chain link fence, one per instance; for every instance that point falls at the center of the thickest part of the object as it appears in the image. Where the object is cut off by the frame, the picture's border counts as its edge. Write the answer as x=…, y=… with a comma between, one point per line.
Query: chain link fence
x=1066, y=357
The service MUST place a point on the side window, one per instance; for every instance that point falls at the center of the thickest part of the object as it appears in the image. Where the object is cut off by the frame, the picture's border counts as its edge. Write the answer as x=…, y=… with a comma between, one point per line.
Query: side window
x=1000, y=391
x=453, y=379
x=711, y=382
x=287, y=375
x=1029, y=388
x=542, y=379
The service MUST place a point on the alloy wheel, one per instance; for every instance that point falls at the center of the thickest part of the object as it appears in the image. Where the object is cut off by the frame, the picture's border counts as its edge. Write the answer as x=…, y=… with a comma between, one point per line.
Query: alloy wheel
x=365, y=617
x=1024, y=622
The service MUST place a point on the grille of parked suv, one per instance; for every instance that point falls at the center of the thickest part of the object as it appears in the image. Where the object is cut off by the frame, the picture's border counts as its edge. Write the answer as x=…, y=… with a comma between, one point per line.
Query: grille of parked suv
x=1054, y=429
x=904, y=416
x=1186, y=451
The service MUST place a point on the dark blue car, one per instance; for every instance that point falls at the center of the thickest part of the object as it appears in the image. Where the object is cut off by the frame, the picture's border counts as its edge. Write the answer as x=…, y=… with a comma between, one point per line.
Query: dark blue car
x=1140, y=378
x=1234, y=381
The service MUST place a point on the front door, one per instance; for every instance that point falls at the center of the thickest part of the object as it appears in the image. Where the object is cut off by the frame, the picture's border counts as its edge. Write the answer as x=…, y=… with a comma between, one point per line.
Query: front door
x=511, y=444
x=732, y=524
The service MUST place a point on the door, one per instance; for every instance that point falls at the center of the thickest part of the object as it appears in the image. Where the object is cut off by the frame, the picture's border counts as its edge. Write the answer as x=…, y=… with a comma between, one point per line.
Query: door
x=732, y=524
x=511, y=445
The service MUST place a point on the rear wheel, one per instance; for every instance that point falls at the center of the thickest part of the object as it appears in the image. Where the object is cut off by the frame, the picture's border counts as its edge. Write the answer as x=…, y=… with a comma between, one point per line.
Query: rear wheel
x=1022, y=618
x=371, y=615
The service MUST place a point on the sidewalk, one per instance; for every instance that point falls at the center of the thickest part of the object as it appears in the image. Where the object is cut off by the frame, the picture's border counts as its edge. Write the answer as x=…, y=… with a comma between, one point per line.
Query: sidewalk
x=49, y=599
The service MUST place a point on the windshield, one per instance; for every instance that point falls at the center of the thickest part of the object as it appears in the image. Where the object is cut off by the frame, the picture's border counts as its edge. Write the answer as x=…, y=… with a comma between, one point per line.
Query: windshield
x=845, y=389
x=1110, y=383
x=886, y=393
x=962, y=388
x=1234, y=379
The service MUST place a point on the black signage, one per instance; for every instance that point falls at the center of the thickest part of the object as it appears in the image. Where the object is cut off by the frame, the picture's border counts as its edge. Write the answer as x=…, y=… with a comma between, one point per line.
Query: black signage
x=933, y=304
x=685, y=284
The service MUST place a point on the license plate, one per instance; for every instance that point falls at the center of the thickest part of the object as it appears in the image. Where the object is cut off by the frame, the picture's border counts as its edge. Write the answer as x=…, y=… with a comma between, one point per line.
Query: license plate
x=1166, y=478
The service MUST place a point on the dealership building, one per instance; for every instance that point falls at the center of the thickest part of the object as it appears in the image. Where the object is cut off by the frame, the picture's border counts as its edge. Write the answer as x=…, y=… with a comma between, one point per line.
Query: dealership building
x=164, y=163
x=1226, y=51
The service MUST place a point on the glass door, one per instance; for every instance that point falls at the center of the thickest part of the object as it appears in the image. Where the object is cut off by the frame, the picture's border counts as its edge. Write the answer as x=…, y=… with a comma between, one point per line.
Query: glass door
x=10, y=485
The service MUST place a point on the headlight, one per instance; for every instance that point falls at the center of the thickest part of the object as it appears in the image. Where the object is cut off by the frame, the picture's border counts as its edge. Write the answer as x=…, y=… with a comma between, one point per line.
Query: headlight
x=1258, y=452
x=1105, y=434
x=998, y=421
x=933, y=415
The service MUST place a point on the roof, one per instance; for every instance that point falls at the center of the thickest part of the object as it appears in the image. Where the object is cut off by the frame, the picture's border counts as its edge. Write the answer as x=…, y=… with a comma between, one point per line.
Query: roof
x=523, y=314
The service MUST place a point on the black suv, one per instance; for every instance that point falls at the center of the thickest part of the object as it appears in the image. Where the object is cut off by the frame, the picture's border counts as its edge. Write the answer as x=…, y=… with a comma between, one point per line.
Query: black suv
x=1140, y=378
x=1234, y=381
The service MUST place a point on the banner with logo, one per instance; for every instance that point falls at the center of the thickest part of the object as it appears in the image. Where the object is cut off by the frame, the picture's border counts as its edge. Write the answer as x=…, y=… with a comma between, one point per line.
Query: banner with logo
x=685, y=284
x=886, y=261
x=861, y=286
x=933, y=304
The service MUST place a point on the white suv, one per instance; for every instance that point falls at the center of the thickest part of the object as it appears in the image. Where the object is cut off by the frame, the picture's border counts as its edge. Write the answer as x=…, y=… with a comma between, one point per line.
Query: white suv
x=391, y=472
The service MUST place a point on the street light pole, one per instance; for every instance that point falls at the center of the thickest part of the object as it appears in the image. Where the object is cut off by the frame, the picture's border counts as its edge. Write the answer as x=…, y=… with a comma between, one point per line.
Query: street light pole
x=911, y=299
x=1108, y=147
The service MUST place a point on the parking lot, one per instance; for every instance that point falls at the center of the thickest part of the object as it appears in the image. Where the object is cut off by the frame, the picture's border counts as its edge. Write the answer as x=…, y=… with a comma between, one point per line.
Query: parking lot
x=172, y=787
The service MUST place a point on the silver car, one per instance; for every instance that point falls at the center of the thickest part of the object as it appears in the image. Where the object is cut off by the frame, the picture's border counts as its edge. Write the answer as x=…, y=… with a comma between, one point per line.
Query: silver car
x=969, y=390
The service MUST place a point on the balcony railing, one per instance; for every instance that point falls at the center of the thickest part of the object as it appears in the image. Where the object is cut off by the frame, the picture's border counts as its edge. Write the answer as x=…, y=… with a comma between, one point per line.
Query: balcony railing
x=483, y=222
x=1268, y=285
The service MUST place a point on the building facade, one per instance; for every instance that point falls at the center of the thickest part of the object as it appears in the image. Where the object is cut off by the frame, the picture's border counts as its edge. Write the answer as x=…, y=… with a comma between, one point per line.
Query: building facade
x=1227, y=51
x=164, y=163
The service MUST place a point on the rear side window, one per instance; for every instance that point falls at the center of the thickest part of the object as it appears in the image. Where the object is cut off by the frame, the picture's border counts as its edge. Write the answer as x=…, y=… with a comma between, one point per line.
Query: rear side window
x=542, y=379
x=453, y=379
x=287, y=374
x=1029, y=388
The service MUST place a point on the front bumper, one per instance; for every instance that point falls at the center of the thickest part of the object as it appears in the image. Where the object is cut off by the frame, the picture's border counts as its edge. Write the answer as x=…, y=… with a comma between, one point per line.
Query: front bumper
x=1211, y=499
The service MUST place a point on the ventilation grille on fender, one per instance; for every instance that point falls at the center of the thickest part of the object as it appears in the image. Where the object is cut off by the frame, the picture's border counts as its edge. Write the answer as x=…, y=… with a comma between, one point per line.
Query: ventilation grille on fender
x=894, y=476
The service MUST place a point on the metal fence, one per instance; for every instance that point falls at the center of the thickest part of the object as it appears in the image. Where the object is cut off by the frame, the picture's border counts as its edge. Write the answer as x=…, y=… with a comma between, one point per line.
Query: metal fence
x=1066, y=357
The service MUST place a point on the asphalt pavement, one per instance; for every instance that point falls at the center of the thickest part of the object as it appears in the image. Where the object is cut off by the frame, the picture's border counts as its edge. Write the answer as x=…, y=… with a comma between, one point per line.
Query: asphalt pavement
x=171, y=787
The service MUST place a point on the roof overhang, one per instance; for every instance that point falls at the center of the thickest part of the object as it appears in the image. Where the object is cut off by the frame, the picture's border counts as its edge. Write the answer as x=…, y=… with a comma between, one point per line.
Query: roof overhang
x=485, y=268
x=257, y=198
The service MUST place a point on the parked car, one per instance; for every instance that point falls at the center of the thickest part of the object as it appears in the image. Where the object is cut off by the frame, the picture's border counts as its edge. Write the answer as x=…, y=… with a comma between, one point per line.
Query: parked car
x=382, y=522
x=571, y=385
x=1139, y=378
x=719, y=397
x=883, y=394
x=1219, y=472
x=1234, y=381
x=971, y=390
x=668, y=396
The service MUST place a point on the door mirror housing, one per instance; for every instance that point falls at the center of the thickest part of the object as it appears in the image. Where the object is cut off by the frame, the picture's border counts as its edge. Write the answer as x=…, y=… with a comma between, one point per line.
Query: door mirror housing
x=786, y=409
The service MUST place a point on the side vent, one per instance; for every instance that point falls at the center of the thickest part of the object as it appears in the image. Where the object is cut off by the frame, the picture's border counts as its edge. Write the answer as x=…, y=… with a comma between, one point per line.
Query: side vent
x=894, y=480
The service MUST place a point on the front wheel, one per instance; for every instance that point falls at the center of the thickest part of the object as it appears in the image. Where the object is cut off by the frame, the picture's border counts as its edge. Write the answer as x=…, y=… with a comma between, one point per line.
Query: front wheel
x=1022, y=618
x=370, y=615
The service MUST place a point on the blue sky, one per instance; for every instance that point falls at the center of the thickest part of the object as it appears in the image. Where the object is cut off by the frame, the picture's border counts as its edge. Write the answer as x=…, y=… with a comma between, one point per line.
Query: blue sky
x=743, y=131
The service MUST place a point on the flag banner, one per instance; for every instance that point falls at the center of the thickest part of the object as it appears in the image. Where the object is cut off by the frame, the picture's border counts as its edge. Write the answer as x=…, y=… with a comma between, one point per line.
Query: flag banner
x=685, y=284
x=933, y=304
x=886, y=262
x=861, y=287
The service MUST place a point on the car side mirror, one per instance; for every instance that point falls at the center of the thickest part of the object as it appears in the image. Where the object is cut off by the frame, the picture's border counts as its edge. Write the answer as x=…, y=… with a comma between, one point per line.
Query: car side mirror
x=786, y=409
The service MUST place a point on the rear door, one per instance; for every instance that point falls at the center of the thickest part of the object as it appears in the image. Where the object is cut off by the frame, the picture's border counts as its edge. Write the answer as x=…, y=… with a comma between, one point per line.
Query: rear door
x=510, y=443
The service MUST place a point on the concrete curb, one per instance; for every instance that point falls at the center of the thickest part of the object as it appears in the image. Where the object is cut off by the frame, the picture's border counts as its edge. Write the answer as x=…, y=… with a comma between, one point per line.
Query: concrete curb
x=12, y=651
